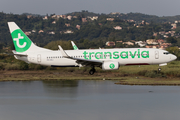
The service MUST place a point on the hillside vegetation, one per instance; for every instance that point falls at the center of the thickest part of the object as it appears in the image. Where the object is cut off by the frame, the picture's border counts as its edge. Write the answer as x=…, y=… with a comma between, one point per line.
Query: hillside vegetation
x=94, y=32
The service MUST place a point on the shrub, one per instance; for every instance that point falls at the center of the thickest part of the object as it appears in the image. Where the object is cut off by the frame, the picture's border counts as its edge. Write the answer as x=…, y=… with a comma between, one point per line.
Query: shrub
x=2, y=66
x=50, y=68
x=173, y=63
x=23, y=65
x=70, y=69
x=142, y=73
x=39, y=67
x=2, y=56
x=32, y=66
x=12, y=67
x=151, y=74
x=36, y=67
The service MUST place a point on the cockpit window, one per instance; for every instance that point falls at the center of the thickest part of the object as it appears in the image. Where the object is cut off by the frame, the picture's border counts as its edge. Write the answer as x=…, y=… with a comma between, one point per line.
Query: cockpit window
x=166, y=53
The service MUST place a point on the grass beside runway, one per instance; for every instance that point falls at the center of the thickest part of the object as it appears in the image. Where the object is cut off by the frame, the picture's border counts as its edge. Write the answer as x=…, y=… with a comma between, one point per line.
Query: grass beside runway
x=125, y=76
x=13, y=70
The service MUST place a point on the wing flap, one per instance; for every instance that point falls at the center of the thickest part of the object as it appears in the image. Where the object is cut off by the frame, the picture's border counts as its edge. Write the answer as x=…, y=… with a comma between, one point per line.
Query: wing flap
x=88, y=62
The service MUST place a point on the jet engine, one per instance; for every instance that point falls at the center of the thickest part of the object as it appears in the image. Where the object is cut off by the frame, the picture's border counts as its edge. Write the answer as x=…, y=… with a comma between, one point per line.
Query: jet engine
x=110, y=65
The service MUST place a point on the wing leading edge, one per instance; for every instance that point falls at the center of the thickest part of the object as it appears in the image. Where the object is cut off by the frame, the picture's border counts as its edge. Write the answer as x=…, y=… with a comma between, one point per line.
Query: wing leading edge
x=83, y=62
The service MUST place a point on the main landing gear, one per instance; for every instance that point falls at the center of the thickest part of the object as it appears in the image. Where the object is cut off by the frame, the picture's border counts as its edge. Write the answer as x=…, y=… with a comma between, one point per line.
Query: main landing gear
x=92, y=71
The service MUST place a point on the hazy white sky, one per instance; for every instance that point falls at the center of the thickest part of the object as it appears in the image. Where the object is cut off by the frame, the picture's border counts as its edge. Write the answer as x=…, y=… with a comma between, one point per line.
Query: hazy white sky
x=43, y=7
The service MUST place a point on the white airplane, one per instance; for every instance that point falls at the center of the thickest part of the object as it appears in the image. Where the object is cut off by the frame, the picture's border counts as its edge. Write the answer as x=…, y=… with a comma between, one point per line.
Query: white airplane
x=107, y=59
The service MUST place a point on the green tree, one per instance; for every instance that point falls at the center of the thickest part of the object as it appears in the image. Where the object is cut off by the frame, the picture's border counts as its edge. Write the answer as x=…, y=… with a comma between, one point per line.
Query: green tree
x=175, y=51
x=54, y=45
x=23, y=65
x=172, y=40
x=1, y=47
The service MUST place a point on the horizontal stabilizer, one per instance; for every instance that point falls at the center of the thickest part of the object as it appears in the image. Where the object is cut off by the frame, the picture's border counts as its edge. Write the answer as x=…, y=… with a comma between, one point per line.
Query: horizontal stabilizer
x=16, y=53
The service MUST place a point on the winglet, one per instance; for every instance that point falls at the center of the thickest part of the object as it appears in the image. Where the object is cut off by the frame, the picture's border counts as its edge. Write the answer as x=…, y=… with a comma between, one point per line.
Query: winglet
x=64, y=54
x=74, y=46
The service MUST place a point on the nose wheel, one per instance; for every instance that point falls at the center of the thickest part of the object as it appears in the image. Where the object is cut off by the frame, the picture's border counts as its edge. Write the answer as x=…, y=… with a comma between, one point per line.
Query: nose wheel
x=92, y=71
x=159, y=69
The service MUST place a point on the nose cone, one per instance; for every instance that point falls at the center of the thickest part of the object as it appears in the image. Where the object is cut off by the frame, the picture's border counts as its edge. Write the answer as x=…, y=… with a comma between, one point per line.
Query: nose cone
x=173, y=57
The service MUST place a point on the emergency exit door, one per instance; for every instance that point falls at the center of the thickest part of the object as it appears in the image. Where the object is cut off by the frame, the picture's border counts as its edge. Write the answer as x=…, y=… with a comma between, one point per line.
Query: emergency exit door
x=156, y=54
x=39, y=58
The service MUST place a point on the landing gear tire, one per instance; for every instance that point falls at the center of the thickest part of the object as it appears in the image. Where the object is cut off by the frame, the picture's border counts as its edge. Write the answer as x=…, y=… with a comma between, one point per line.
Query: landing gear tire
x=92, y=71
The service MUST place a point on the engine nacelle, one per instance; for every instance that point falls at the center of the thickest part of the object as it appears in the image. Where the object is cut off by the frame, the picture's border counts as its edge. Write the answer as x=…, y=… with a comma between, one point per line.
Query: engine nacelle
x=110, y=65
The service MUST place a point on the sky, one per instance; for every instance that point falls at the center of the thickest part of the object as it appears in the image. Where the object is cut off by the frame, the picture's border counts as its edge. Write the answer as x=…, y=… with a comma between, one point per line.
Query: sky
x=43, y=7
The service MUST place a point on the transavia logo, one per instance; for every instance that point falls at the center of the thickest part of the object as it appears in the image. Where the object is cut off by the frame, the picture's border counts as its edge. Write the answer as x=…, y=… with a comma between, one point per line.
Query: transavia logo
x=112, y=66
x=75, y=47
x=21, y=41
x=17, y=41
x=116, y=54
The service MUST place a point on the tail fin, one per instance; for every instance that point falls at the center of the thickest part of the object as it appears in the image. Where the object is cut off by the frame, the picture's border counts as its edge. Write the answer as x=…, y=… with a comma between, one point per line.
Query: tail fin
x=21, y=42
x=74, y=46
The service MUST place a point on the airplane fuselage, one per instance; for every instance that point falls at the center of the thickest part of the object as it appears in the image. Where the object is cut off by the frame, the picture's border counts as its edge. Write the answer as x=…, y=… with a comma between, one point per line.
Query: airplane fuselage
x=125, y=56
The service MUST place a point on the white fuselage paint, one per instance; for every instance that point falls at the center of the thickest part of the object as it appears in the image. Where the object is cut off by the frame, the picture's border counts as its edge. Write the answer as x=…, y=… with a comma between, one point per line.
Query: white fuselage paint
x=55, y=58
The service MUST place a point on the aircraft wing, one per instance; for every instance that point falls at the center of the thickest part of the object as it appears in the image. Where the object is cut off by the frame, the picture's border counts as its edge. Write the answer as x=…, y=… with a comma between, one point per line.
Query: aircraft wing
x=85, y=62
x=88, y=62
